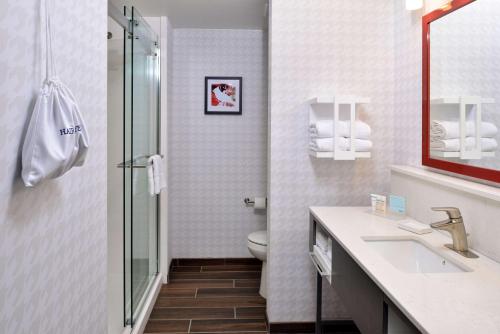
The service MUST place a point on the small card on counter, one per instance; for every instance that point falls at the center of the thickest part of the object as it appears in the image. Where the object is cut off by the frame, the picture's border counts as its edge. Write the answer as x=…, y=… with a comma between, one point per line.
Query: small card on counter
x=397, y=204
x=379, y=204
x=380, y=208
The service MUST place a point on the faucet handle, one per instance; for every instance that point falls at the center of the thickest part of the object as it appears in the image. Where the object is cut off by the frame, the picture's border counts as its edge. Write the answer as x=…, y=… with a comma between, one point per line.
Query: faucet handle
x=453, y=213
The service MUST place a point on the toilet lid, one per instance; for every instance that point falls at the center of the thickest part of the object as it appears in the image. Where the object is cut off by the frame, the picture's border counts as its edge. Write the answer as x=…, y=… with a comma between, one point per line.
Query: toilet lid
x=259, y=238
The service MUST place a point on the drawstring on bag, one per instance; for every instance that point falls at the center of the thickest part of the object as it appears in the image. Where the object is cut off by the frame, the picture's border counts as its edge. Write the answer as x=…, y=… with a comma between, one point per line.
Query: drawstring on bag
x=45, y=25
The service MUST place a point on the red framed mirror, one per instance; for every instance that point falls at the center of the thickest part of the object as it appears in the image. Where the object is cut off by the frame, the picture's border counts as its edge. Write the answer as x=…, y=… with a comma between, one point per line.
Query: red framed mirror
x=456, y=108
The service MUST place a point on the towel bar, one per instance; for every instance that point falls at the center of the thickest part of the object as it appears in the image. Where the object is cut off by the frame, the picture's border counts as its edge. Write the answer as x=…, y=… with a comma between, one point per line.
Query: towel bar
x=133, y=162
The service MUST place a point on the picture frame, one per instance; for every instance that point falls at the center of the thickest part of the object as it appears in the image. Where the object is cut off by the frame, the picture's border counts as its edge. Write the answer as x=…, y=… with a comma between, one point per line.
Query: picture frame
x=223, y=95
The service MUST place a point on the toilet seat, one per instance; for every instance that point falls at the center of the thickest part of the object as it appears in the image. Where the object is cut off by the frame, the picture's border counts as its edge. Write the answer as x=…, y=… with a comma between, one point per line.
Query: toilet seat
x=259, y=238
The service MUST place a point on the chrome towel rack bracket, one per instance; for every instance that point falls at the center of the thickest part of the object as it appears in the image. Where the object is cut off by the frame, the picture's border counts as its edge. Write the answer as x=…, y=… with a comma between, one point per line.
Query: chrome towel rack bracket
x=136, y=162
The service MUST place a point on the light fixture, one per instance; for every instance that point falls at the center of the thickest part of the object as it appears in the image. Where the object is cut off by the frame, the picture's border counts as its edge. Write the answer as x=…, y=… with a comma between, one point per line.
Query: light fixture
x=414, y=4
x=437, y=4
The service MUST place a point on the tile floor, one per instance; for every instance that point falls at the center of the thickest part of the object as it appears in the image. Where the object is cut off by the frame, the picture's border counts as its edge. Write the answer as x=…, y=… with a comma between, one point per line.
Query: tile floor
x=210, y=296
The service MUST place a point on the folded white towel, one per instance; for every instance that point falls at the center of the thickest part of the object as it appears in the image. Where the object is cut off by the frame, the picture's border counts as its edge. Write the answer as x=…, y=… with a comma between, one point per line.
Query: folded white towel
x=151, y=177
x=159, y=168
x=156, y=176
x=329, y=250
x=453, y=145
x=321, y=241
x=451, y=130
x=324, y=129
x=326, y=144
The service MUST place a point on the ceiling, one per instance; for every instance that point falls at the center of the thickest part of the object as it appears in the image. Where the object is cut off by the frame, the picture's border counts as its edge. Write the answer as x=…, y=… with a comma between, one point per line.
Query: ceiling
x=205, y=14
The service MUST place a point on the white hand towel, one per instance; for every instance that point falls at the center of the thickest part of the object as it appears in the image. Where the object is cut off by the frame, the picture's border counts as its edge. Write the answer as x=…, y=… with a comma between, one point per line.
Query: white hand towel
x=453, y=145
x=326, y=144
x=321, y=241
x=329, y=250
x=151, y=178
x=324, y=129
x=159, y=178
x=157, y=173
x=451, y=130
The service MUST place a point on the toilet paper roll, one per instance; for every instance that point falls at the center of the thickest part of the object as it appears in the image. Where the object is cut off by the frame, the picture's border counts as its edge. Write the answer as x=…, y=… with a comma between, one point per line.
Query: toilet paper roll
x=260, y=203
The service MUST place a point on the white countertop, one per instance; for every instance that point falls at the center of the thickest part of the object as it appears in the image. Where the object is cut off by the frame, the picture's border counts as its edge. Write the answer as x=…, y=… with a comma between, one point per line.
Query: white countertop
x=436, y=303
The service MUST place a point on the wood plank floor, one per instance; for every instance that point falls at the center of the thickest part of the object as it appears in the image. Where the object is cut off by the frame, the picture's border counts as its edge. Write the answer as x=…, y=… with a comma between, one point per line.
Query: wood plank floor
x=210, y=296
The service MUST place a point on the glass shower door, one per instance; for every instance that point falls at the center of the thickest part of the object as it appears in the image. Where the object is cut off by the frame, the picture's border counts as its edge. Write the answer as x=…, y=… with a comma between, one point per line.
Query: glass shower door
x=141, y=142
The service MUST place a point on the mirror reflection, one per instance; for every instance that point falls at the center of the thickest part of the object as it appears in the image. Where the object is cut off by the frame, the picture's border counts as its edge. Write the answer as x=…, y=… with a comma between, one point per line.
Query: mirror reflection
x=465, y=85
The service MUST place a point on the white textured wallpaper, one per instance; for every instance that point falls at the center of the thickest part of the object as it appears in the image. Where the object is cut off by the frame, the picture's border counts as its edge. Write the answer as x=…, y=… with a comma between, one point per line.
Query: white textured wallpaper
x=318, y=48
x=53, y=237
x=216, y=161
x=407, y=85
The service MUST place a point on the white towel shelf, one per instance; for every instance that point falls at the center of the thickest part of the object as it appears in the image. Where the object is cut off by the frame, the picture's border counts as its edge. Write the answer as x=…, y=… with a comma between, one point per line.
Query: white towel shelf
x=331, y=155
x=340, y=100
x=457, y=100
x=442, y=154
x=328, y=108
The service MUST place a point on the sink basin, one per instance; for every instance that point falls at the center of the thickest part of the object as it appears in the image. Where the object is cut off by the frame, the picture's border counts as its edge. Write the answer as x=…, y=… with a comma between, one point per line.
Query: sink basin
x=413, y=256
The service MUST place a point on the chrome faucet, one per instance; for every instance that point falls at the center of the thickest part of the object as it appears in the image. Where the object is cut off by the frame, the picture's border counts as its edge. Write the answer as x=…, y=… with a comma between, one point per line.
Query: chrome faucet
x=455, y=225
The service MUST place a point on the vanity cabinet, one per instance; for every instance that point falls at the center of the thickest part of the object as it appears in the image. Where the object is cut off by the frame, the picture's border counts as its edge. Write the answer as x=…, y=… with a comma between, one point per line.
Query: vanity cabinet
x=371, y=310
x=360, y=295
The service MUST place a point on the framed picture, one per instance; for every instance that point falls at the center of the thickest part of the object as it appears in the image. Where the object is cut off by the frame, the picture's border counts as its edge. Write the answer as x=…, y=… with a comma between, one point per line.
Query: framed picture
x=223, y=95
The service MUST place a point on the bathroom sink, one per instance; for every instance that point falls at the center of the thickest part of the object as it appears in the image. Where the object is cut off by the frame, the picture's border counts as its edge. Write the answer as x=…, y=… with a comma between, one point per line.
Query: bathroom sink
x=413, y=256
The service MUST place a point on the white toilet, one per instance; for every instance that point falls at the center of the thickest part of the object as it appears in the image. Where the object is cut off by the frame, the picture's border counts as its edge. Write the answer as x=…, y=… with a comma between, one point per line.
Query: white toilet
x=257, y=245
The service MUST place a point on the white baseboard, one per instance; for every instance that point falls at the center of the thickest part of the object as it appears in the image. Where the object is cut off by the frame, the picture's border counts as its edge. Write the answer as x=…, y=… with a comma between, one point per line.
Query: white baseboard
x=166, y=277
x=143, y=317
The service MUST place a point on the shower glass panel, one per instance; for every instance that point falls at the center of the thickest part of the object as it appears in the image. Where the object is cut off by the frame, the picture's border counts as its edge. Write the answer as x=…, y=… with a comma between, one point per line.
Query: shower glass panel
x=141, y=141
x=127, y=174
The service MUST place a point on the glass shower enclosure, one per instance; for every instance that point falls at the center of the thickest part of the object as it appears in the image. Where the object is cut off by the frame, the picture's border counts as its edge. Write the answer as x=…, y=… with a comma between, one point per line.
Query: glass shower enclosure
x=141, y=123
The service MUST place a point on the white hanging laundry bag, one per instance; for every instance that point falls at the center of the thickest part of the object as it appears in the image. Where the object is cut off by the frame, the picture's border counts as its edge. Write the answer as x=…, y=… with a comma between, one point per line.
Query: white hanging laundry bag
x=57, y=137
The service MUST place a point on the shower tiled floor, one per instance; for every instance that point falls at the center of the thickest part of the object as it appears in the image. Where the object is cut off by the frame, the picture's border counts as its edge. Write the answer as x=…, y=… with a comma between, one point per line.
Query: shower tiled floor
x=210, y=296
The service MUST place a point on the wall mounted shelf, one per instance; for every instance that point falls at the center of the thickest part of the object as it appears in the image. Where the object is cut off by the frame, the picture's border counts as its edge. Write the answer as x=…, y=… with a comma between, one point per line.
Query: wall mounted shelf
x=329, y=108
x=442, y=154
x=457, y=100
x=340, y=100
x=330, y=155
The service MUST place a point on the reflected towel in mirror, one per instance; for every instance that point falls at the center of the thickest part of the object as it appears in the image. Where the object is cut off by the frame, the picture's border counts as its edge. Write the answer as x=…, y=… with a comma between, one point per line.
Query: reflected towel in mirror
x=451, y=129
x=453, y=145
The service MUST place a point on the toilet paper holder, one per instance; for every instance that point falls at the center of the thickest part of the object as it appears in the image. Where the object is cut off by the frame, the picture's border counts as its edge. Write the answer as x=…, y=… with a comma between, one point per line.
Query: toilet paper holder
x=248, y=201
x=259, y=203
